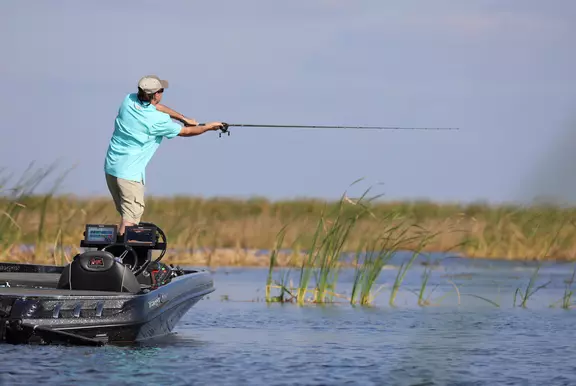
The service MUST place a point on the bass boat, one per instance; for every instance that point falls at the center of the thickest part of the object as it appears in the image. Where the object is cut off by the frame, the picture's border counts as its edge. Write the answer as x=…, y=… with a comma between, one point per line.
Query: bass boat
x=112, y=292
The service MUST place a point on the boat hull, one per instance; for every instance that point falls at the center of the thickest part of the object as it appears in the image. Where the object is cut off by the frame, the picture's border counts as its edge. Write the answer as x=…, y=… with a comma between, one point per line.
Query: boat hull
x=49, y=315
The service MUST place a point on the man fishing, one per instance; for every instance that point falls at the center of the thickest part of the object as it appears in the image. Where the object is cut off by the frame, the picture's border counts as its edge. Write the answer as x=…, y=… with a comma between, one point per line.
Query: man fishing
x=140, y=126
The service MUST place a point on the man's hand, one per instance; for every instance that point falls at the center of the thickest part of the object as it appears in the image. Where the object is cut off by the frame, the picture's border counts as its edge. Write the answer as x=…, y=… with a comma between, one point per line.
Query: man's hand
x=214, y=125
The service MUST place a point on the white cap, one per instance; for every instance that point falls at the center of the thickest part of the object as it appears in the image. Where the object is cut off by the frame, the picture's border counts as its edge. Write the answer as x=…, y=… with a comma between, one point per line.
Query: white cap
x=151, y=84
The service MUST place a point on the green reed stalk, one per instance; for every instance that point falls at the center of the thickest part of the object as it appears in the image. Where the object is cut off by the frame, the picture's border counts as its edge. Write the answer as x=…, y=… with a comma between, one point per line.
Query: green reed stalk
x=483, y=298
x=525, y=295
x=566, y=298
x=330, y=253
x=568, y=291
x=425, y=277
x=404, y=268
x=375, y=258
x=332, y=245
x=273, y=259
x=308, y=264
x=359, y=271
x=367, y=273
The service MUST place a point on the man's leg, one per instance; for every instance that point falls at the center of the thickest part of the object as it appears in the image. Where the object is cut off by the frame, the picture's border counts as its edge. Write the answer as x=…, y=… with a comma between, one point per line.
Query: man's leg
x=112, y=183
x=129, y=200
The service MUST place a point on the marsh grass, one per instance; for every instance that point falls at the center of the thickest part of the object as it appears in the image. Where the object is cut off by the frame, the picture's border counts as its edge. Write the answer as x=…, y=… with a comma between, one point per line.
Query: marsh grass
x=402, y=270
x=425, y=276
x=530, y=287
x=10, y=230
x=201, y=224
x=318, y=234
x=367, y=272
x=566, y=299
x=269, y=282
x=197, y=224
x=325, y=256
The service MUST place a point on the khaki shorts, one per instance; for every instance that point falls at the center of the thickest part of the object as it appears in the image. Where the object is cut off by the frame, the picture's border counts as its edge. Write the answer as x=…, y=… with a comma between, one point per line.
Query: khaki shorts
x=128, y=197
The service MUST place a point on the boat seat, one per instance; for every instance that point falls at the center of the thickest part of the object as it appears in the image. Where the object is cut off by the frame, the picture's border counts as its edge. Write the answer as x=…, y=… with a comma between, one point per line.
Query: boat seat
x=98, y=271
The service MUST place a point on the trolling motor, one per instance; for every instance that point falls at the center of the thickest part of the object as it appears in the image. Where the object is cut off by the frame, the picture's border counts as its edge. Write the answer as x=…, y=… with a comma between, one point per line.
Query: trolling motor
x=224, y=127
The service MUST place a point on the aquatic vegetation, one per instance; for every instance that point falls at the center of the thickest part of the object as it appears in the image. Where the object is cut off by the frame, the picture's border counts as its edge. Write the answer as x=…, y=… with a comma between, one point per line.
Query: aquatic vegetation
x=566, y=300
x=311, y=240
x=403, y=269
x=269, y=285
x=529, y=291
x=325, y=257
x=425, y=277
x=368, y=271
x=200, y=227
x=566, y=303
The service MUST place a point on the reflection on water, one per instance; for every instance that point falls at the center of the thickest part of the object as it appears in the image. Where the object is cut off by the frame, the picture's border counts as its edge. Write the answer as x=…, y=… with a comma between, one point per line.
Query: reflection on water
x=242, y=341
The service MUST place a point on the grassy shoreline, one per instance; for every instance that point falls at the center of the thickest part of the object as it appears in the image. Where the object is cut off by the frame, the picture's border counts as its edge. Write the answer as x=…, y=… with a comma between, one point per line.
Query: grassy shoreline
x=317, y=233
x=232, y=229
x=235, y=229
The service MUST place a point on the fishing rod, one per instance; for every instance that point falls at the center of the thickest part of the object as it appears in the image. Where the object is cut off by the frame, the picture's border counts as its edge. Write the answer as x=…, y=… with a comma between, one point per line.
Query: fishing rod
x=225, y=126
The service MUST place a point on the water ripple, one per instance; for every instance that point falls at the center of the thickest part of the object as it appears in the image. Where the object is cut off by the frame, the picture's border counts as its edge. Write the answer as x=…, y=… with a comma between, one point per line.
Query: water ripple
x=228, y=343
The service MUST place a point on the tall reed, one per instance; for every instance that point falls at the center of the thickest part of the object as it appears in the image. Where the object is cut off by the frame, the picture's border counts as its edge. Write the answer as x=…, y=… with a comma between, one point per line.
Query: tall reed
x=273, y=261
x=376, y=253
x=13, y=205
x=530, y=290
x=566, y=299
x=325, y=255
x=424, y=239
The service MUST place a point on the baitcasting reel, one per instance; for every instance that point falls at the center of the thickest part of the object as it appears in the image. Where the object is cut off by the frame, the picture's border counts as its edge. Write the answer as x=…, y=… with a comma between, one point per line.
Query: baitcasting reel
x=223, y=129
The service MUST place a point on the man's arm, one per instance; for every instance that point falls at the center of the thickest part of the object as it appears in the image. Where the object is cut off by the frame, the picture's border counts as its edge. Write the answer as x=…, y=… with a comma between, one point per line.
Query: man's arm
x=175, y=115
x=190, y=131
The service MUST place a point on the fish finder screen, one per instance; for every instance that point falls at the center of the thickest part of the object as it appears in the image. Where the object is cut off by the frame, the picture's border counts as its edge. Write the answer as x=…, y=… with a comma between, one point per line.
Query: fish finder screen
x=140, y=235
x=101, y=234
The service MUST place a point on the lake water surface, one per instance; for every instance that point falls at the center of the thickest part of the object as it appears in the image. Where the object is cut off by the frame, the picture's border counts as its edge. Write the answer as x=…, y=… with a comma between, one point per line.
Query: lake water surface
x=234, y=338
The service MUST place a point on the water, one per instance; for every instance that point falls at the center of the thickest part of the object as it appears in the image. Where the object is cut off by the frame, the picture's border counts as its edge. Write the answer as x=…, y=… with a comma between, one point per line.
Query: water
x=234, y=338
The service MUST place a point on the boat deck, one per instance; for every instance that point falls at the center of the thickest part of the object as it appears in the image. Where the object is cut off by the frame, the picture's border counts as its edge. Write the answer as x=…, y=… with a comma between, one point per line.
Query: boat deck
x=51, y=292
x=49, y=280
x=44, y=284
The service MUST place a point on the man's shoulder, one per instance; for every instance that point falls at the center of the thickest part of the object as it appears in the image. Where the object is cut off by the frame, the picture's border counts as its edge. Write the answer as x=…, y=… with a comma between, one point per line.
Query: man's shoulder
x=132, y=103
x=161, y=116
x=129, y=99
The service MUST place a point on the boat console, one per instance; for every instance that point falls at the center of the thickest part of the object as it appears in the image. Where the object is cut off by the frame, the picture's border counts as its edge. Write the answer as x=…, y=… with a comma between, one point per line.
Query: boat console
x=117, y=263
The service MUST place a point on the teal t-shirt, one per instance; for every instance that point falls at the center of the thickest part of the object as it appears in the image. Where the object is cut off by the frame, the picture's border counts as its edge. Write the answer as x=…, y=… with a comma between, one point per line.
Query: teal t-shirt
x=138, y=131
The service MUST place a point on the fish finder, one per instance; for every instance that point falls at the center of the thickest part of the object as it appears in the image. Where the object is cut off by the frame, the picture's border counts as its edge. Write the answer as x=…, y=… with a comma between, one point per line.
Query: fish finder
x=100, y=234
x=133, y=248
x=140, y=236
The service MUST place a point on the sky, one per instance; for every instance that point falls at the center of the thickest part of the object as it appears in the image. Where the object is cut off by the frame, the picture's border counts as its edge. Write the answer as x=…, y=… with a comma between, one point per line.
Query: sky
x=500, y=71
